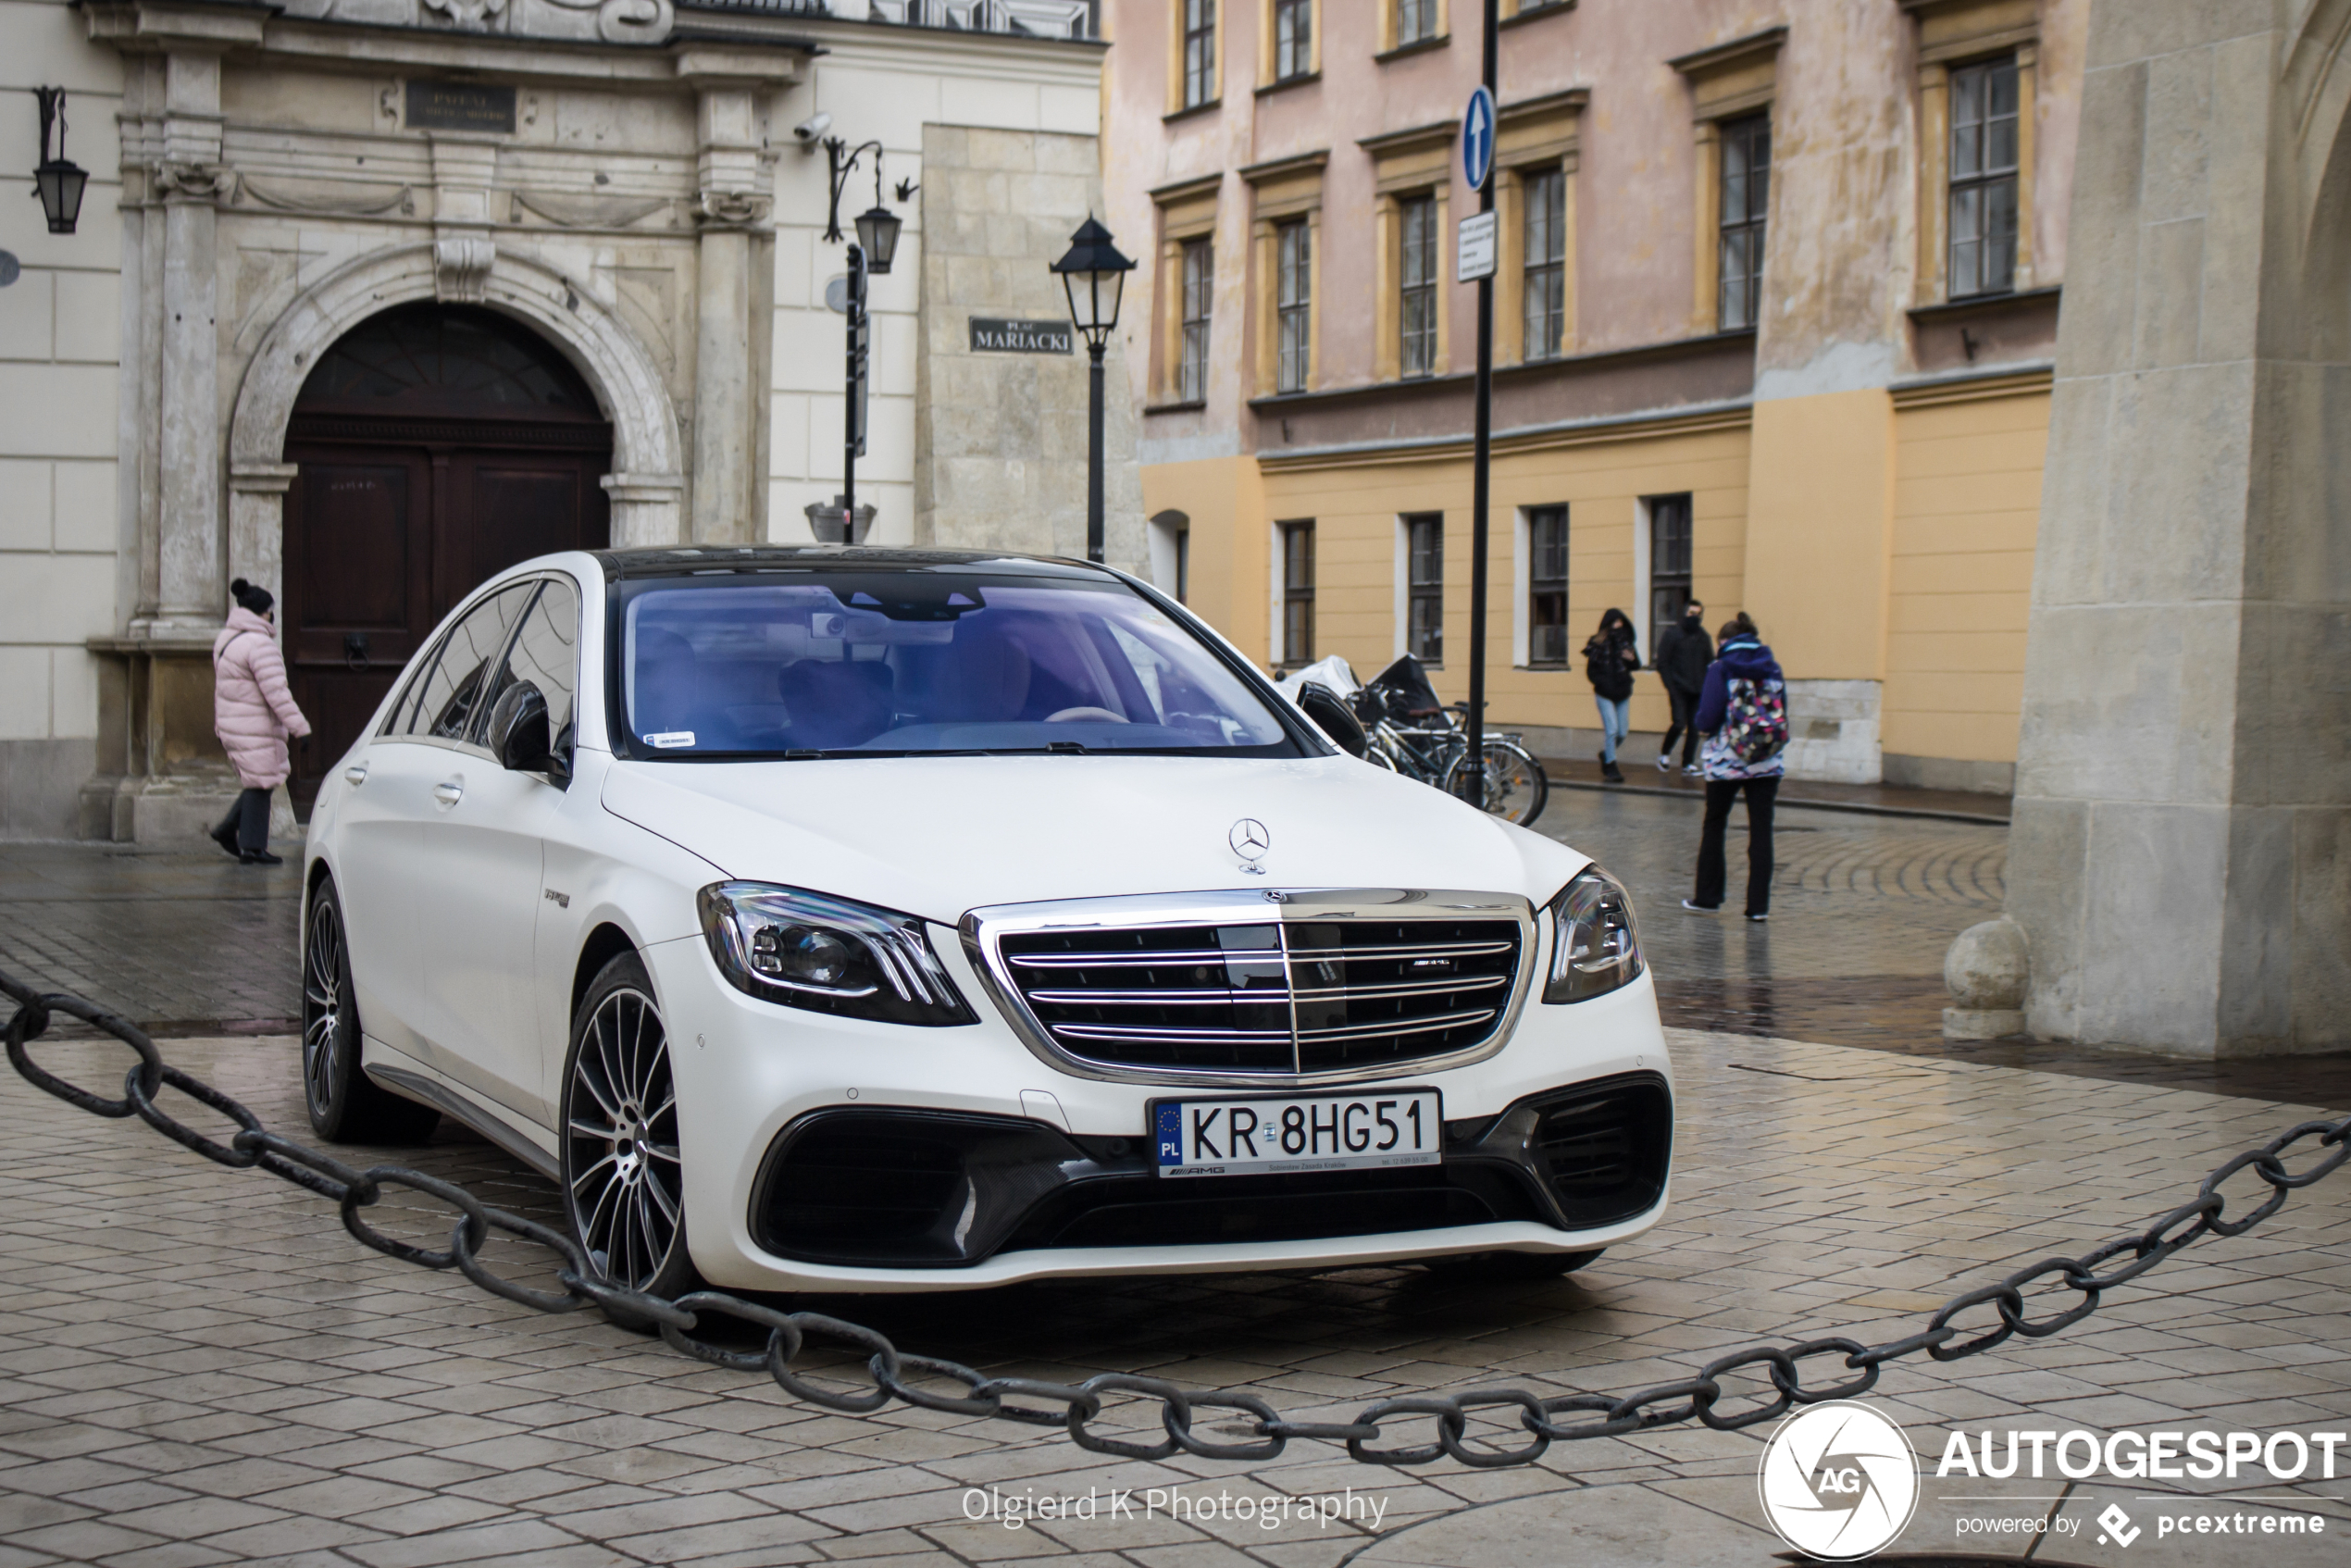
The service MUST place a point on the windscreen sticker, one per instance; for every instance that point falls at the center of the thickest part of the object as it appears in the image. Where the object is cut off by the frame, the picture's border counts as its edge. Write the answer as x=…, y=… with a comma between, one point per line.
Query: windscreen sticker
x=671, y=739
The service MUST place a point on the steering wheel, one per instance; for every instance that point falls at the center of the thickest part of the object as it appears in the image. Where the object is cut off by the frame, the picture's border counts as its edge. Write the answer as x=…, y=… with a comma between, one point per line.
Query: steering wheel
x=1068, y=715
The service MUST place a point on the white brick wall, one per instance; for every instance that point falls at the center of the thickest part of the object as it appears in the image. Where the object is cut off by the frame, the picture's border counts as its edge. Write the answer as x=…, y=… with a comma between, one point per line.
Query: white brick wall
x=60, y=322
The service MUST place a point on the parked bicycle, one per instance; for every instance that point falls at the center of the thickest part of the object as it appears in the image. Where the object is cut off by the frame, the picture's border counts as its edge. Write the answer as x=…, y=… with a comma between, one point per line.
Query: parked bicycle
x=1411, y=732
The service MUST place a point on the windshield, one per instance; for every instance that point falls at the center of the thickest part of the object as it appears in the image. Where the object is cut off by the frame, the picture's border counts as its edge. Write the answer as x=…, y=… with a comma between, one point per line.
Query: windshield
x=872, y=662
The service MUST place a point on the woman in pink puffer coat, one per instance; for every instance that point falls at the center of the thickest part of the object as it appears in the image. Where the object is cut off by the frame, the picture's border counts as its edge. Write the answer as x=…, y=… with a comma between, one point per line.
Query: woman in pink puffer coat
x=253, y=713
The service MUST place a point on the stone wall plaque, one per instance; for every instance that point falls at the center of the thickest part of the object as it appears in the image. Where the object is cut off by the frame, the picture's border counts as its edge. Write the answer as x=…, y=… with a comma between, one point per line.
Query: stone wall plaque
x=460, y=106
x=992, y=336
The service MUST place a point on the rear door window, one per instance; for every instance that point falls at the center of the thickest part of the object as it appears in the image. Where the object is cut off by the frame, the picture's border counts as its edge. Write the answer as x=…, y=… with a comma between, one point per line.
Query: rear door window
x=450, y=695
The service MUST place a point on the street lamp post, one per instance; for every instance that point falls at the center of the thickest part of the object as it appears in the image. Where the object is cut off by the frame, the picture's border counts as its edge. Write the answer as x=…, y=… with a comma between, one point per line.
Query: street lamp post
x=1094, y=274
x=870, y=255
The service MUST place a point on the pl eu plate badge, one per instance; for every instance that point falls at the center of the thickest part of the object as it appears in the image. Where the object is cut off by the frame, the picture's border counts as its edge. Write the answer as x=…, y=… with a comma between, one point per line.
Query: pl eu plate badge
x=1170, y=1133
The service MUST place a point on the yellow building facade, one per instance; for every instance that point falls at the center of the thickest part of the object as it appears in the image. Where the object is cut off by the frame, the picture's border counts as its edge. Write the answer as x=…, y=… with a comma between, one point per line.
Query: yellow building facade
x=1851, y=451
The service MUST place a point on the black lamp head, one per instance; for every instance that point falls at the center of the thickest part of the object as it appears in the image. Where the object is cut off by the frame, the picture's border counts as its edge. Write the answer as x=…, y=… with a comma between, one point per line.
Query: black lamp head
x=877, y=229
x=57, y=181
x=1094, y=273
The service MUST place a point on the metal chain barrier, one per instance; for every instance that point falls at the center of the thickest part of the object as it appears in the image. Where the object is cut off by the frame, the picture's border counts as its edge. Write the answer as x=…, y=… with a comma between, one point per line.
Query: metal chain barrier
x=895, y=1374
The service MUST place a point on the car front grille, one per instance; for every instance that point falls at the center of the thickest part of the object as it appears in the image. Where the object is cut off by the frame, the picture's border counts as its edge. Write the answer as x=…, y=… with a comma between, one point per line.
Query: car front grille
x=1280, y=991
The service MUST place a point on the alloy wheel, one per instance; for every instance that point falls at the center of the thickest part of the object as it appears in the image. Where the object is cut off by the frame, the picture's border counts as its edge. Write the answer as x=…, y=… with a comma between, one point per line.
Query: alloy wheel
x=626, y=1183
x=323, y=1004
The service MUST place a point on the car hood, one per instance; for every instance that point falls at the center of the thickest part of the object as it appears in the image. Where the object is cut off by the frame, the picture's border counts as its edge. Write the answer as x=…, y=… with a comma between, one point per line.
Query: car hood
x=940, y=836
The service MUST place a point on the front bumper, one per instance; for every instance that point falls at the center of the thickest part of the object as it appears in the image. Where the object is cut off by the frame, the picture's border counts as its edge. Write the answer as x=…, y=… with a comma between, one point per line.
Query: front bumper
x=898, y=1189
x=998, y=1169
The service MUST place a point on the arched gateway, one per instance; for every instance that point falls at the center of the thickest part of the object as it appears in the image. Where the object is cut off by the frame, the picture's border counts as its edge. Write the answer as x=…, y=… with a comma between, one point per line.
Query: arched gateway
x=432, y=445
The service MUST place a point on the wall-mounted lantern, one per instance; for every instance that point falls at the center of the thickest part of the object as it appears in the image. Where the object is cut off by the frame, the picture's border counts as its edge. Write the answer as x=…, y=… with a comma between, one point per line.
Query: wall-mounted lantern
x=57, y=180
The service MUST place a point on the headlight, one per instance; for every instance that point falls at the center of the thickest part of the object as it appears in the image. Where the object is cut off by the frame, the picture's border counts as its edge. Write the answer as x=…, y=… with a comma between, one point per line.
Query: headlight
x=827, y=954
x=1595, y=945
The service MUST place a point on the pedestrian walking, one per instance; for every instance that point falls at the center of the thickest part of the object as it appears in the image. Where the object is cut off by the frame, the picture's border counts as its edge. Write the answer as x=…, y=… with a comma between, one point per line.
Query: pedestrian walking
x=1609, y=658
x=1742, y=712
x=253, y=713
x=1682, y=654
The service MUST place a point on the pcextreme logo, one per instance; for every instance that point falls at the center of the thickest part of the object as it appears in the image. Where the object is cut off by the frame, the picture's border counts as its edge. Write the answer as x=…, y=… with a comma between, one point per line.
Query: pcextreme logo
x=1838, y=1481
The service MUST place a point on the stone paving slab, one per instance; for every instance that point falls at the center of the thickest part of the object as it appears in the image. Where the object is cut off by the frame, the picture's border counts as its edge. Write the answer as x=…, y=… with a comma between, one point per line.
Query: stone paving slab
x=199, y=1367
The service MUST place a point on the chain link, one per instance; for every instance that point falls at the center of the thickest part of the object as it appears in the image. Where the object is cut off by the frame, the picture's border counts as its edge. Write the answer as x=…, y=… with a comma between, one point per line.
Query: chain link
x=896, y=1375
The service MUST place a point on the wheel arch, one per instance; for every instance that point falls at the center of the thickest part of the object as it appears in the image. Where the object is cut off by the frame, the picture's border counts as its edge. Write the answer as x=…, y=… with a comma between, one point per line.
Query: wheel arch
x=605, y=943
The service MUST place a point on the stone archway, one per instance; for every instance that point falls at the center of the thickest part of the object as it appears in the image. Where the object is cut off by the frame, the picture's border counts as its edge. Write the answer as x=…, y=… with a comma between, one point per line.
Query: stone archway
x=432, y=446
x=647, y=484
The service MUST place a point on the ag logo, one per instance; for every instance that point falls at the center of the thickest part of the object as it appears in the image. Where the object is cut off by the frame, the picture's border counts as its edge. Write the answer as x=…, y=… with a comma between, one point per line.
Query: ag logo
x=1838, y=1481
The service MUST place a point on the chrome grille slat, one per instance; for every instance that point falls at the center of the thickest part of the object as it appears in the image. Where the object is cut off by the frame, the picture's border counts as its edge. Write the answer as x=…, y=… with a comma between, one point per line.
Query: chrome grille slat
x=1360, y=1031
x=1342, y=989
x=1217, y=997
x=1160, y=958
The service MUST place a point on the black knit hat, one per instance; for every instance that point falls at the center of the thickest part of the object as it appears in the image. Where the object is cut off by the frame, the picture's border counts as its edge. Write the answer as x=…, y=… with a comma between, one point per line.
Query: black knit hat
x=257, y=600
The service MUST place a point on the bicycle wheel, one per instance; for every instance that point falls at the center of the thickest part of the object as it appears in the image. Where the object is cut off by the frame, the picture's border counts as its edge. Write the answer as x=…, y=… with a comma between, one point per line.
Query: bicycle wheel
x=1512, y=782
x=1376, y=755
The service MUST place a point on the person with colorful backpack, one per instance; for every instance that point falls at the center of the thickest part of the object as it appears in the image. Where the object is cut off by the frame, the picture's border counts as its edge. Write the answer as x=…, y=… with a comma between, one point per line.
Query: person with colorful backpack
x=1743, y=713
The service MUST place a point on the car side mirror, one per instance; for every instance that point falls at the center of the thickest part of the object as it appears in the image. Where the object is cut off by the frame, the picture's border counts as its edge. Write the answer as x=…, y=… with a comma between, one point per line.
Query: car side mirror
x=1333, y=717
x=519, y=736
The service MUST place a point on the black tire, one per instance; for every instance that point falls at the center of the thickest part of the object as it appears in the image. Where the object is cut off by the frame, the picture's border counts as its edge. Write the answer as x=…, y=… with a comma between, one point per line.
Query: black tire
x=624, y=1182
x=1500, y=1268
x=346, y=1106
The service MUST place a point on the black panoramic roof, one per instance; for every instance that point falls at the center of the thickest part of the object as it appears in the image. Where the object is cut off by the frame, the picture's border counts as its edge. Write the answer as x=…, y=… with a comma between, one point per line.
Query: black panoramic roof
x=699, y=559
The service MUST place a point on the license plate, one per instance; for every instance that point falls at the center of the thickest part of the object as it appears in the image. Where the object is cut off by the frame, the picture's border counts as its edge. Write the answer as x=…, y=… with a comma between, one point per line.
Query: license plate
x=1269, y=1135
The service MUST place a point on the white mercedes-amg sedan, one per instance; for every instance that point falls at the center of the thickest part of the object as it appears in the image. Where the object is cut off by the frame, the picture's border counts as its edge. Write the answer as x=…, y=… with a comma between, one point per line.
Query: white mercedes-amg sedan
x=857, y=920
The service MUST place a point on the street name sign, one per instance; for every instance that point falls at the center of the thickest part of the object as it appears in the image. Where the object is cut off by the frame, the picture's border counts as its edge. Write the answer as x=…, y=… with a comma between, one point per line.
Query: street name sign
x=992, y=336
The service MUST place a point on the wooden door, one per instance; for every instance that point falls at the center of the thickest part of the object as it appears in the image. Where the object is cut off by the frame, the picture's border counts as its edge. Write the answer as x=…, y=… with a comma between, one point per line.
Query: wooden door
x=434, y=446
x=382, y=540
x=358, y=590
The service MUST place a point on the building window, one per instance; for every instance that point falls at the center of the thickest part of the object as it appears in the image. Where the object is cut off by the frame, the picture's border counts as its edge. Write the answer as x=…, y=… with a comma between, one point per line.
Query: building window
x=1747, y=182
x=1984, y=176
x=1293, y=38
x=1418, y=316
x=1199, y=288
x=1669, y=561
x=1547, y=585
x=1294, y=304
x=1298, y=593
x=1546, y=263
x=1199, y=52
x=1424, y=587
x=1415, y=21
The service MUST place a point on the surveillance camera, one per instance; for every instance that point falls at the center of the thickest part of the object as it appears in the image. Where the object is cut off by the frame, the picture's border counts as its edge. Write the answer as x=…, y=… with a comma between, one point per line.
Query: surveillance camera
x=810, y=132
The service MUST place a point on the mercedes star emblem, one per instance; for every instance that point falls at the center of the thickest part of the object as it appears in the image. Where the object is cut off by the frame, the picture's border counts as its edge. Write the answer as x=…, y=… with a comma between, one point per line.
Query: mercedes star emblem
x=1251, y=839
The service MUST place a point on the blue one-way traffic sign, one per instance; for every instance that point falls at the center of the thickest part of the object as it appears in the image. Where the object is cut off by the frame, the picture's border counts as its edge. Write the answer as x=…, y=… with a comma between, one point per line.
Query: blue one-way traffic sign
x=1477, y=139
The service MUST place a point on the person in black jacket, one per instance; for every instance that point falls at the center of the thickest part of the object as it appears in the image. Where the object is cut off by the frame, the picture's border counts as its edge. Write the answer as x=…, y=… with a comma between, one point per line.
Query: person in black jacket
x=1683, y=653
x=1609, y=658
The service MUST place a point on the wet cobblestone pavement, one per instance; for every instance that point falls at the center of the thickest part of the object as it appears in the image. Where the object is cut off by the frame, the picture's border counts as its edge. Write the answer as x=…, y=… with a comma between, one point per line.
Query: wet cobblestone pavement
x=179, y=941
x=199, y=1367
x=1863, y=908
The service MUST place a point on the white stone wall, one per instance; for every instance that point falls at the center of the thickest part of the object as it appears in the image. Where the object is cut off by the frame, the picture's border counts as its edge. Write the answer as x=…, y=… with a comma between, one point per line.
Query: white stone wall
x=59, y=326
x=886, y=85
x=1832, y=730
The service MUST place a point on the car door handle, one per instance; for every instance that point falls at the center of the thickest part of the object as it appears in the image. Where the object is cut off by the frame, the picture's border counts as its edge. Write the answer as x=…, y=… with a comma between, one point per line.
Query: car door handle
x=355, y=775
x=449, y=792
